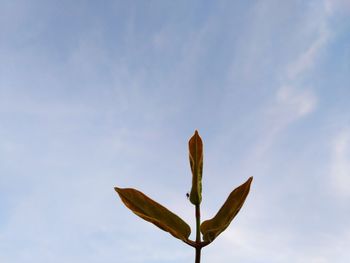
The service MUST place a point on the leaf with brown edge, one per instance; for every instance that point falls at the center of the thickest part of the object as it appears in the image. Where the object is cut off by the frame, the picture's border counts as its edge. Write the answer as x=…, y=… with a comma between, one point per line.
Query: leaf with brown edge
x=213, y=227
x=195, y=146
x=153, y=212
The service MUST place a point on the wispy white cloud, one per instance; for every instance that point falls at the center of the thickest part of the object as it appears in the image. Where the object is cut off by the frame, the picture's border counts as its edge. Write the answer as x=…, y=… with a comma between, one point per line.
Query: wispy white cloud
x=340, y=163
x=296, y=104
x=333, y=6
x=293, y=93
x=307, y=58
x=281, y=246
x=293, y=99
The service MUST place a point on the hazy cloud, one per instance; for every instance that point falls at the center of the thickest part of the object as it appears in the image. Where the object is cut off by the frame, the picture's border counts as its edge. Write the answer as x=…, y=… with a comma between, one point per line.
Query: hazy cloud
x=340, y=163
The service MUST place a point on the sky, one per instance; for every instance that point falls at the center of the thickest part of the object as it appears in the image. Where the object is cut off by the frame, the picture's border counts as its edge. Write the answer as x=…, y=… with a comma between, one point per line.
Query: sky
x=98, y=94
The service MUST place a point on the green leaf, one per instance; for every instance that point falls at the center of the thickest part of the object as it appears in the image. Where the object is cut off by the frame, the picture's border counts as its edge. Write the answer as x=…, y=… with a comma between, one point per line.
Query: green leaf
x=153, y=212
x=196, y=161
x=213, y=227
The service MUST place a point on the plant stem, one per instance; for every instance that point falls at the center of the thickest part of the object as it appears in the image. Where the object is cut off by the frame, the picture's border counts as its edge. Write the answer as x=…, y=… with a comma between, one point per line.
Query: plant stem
x=198, y=222
x=198, y=255
x=198, y=234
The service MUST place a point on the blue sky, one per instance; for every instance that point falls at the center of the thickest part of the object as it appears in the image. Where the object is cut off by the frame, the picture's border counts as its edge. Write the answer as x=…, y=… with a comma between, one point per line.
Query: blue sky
x=94, y=95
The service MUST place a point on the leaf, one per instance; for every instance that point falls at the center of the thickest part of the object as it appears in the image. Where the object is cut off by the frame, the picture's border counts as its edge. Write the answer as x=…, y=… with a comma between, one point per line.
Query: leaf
x=153, y=212
x=213, y=227
x=196, y=161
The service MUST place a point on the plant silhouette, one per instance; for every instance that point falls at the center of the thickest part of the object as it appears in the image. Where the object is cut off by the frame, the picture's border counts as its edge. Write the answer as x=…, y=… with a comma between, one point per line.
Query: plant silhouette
x=151, y=211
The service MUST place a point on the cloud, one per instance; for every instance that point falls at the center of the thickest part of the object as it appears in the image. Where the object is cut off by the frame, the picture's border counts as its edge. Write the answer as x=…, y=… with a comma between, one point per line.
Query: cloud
x=278, y=243
x=333, y=6
x=294, y=99
x=290, y=105
x=293, y=94
x=307, y=59
x=340, y=163
x=298, y=104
